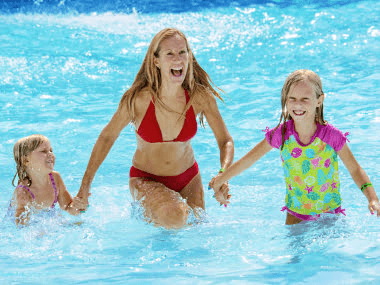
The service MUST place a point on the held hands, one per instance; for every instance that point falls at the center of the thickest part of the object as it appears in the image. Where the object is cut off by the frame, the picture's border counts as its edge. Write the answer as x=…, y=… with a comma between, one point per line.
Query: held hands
x=81, y=203
x=374, y=206
x=221, y=191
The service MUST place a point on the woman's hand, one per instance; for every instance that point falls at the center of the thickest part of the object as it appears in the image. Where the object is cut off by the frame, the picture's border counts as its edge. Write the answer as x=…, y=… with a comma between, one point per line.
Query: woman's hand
x=221, y=191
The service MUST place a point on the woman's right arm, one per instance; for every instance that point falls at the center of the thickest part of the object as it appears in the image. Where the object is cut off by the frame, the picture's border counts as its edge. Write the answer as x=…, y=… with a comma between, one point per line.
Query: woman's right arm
x=101, y=149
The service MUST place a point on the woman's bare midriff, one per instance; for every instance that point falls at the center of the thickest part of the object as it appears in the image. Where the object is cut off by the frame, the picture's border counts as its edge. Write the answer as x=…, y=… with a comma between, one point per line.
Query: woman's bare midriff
x=163, y=159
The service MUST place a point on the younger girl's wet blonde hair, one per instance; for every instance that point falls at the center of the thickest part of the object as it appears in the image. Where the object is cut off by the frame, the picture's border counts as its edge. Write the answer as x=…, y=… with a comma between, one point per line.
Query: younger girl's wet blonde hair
x=293, y=79
x=22, y=148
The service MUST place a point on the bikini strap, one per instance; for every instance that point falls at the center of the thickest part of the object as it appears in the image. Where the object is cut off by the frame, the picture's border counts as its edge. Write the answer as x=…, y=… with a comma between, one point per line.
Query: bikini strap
x=55, y=189
x=26, y=188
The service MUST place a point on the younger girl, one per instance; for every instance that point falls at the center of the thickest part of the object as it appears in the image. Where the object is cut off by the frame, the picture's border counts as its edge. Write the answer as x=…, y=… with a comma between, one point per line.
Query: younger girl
x=38, y=186
x=309, y=148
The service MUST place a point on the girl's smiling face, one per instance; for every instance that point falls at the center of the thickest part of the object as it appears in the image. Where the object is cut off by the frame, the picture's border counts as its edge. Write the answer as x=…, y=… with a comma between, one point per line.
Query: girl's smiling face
x=173, y=59
x=42, y=158
x=302, y=102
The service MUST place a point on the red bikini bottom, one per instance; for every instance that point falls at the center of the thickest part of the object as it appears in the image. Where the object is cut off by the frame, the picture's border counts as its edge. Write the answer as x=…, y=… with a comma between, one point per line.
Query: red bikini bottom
x=176, y=183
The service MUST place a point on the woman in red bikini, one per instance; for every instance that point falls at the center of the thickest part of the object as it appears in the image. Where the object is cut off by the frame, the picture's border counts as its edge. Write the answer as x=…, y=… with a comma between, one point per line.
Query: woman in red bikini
x=169, y=92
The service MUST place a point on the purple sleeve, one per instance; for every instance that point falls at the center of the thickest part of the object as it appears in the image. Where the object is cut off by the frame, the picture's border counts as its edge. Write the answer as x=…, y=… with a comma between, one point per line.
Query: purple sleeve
x=334, y=137
x=276, y=139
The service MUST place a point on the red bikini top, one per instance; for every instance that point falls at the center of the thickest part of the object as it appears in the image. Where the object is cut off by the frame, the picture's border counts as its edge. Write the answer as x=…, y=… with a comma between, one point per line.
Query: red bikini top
x=150, y=131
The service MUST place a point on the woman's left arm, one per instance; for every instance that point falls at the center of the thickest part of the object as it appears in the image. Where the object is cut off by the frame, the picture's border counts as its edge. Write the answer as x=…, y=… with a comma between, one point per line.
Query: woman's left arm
x=361, y=178
x=223, y=138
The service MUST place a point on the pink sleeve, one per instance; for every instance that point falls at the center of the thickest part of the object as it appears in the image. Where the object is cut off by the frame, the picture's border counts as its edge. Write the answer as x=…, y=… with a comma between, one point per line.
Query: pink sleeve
x=276, y=139
x=334, y=137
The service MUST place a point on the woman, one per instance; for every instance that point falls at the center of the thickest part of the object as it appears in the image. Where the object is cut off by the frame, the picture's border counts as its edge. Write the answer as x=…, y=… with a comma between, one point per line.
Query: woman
x=168, y=93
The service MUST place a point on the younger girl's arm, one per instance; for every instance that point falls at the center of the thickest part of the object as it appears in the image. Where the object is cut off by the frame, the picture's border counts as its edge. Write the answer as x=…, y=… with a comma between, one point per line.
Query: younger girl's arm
x=23, y=199
x=64, y=198
x=360, y=178
x=239, y=166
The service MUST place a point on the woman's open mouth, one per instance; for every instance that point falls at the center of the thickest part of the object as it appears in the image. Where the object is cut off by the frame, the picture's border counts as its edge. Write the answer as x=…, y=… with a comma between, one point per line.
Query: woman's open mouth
x=176, y=71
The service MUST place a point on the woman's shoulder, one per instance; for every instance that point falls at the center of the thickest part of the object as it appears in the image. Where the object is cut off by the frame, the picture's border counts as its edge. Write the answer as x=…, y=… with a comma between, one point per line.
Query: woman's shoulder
x=143, y=98
x=144, y=94
x=140, y=103
x=203, y=98
x=139, y=97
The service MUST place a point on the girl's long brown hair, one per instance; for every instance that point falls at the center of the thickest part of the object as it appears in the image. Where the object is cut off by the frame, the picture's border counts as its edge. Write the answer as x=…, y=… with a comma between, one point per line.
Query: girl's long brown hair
x=294, y=78
x=149, y=76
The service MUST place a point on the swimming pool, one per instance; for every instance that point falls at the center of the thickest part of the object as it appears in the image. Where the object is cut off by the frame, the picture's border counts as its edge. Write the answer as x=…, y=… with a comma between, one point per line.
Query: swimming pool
x=63, y=68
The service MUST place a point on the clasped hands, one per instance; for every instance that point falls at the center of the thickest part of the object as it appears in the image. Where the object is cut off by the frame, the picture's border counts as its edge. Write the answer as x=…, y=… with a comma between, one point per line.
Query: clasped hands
x=221, y=191
x=80, y=203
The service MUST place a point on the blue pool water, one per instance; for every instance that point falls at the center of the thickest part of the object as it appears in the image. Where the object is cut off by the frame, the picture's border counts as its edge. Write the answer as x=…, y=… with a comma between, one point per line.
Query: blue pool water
x=63, y=68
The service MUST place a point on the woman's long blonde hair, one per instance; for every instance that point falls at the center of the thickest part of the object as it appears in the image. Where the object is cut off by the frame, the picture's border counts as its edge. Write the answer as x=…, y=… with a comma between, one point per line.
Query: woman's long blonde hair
x=294, y=78
x=149, y=75
x=22, y=148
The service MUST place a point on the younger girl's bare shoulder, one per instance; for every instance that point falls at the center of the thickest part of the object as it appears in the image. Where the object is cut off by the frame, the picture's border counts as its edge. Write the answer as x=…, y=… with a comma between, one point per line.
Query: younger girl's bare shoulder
x=22, y=196
x=56, y=175
x=58, y=180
